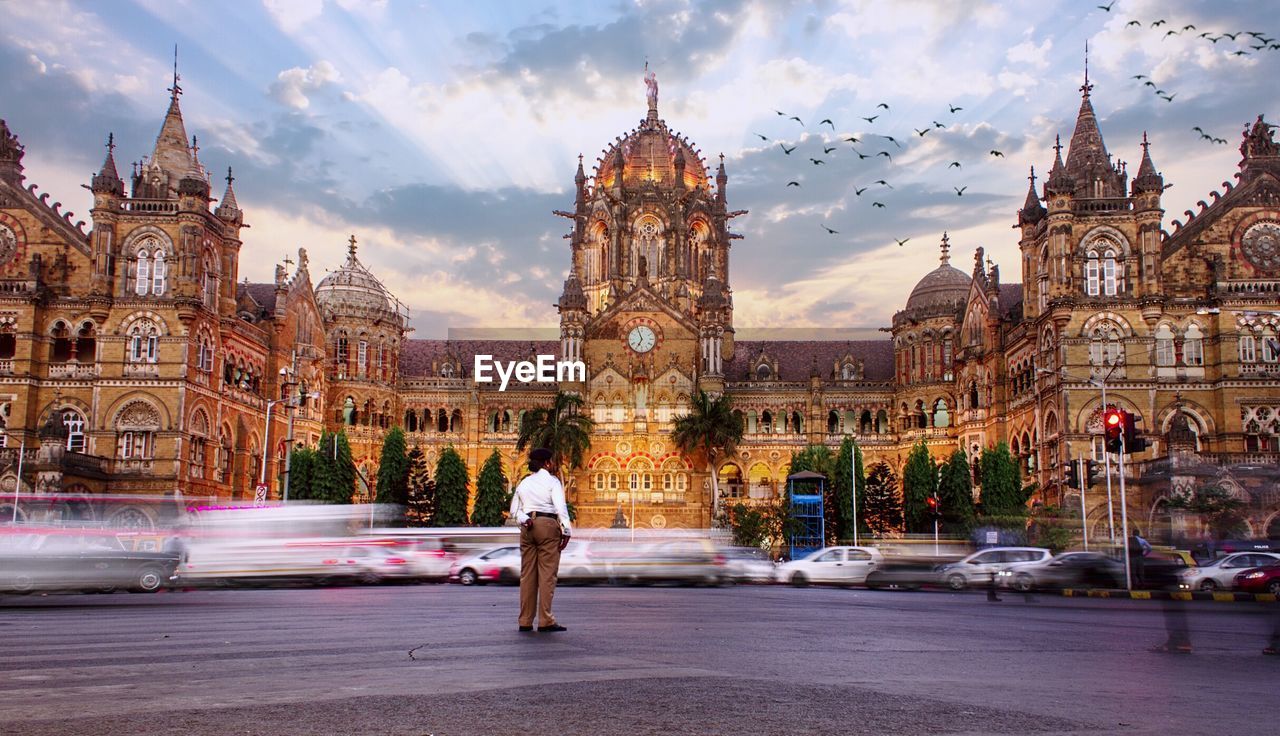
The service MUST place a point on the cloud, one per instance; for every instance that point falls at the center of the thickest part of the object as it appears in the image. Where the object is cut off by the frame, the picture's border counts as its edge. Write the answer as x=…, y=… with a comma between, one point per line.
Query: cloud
x=1029, y=54
x=290, y=15
x=293, y=85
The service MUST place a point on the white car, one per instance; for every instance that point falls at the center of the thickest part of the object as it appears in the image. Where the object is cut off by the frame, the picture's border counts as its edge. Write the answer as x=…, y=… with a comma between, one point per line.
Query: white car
x=748, y=565
x=832, y=565
x=500, y=565
x=1220, y=573
x=979, y=567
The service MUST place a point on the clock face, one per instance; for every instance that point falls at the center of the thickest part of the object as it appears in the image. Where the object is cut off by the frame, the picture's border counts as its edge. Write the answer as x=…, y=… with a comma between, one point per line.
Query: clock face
x=1261, y=246
x=642, y=339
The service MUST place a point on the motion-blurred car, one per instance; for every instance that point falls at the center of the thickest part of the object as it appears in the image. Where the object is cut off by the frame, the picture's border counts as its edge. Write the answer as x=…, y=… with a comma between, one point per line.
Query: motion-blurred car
x=686, y=561
x=76, y=561
x=1068, y=570
x=979, y=567
x=1259, y=580
x=499, y=565
x=582, y=562
x=904, y=571
x=747, y=565
x=831, y=565
x=1220, y=574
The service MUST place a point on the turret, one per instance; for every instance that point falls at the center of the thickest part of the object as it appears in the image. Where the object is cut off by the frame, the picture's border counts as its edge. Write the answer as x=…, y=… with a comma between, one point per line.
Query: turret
x=1059, y=181
x=580, y=185
x=107, y=181
x=679, y=166
x=722, y=182
x=1032, y=211
x=11, y=152
x=228, y=209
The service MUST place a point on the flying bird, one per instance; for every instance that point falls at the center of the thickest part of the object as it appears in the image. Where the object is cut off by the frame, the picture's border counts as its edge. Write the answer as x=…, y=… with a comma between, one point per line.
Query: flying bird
x=1188, y=27
x=1198, y=129
x=1169, y=98
x=960, y=190
x=996, y=153
x=1223, y=141
x=886, y=155
x=798, y=120
x=883, y=182
x=1170, y=33
x=817, y=161
x=853, y=139
x=862, y=156
x=1241, y=53
x=828, y=122
x=1107, y=8
x=892, y=140
x=883, y=106
x=1133, y=23
x=901, y=242
x=954, y=109
x=763, y=137
x=953, y=165
x=787, y=150
x=921, y=132
x=1138, y=76
x=793, y=183
x=781, y=113
x=871, y=119
x=1157, y=24
x=828, y=149
x=936, y=124
x=877, y=204
x=1148, y=83
x=858, y=192
x=1231, y=36
x=829, y=230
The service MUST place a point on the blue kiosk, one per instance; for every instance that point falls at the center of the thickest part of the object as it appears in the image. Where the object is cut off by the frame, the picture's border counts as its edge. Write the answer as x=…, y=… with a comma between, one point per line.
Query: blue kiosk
x=804, y=493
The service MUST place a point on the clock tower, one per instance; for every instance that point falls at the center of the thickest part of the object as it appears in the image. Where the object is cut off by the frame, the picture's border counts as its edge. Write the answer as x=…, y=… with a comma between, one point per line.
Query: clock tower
x=647, y=307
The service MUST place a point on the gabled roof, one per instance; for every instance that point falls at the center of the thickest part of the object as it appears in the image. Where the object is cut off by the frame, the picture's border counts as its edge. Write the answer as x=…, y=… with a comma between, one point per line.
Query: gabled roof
x=797, y=358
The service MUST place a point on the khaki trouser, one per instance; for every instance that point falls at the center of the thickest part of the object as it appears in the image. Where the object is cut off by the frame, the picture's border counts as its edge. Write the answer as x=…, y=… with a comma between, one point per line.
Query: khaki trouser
x=539, y=564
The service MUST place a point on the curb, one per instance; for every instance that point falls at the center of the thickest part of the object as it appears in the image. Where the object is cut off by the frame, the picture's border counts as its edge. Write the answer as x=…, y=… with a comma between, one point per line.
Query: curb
x=1164, y=595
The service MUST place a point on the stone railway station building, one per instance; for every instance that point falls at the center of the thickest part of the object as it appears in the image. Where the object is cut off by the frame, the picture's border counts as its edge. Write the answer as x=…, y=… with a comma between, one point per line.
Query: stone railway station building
x=133, y=359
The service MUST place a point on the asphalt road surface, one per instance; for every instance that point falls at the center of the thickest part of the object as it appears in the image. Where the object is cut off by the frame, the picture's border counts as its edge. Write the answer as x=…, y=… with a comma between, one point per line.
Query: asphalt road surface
x=448, y=660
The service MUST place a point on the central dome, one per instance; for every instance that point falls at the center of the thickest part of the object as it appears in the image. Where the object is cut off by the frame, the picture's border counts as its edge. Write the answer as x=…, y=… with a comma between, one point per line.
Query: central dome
x=650, y=153
x=353, y=290
x=943, y=286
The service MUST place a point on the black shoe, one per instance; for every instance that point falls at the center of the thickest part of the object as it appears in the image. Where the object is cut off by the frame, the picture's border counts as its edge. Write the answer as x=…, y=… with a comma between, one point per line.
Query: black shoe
x=553, y=627
x=526, y=628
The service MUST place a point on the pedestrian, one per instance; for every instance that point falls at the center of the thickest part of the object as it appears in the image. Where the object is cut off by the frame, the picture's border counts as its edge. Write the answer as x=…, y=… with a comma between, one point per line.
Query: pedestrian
x=1163, y=574
x=538, y=505
x=1139, y=548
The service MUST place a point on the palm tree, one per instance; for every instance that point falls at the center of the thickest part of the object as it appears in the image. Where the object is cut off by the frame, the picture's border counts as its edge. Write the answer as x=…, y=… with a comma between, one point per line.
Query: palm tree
x=561, y=428
x=710, y=427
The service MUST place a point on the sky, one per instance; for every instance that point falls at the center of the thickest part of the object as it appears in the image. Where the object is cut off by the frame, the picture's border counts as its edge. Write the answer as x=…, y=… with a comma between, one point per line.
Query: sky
x=444, y=134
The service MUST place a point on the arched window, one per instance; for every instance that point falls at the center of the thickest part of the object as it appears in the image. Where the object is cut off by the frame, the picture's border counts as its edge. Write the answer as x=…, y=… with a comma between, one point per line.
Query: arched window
x=1105, y=346
x=62, y=343
x=1092, y=275
x=1193, y=346
x=941, y=416
x=1110, y=273
x=210, y=295
x=8, y=342
x=142, y=272
x=1164, y=346
x=1270, y=345
x=1248, y=349
x=224, y=457
x=797, y=422
x=144, y=342
x=73, y=420
x=730, y=481
x=455, y=421
x=199, y=441
x=833, y=422
x=204, y=354
x=159, y=271
x=136, y=428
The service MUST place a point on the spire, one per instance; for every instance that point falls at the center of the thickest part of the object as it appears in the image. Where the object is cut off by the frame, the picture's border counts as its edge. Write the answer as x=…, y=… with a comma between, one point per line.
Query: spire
x=1032, y=211
x=351, y=248
x=1059, y=181
x=946, y=249
x=722, y=180
x=107, y=180
x=228, y=208
x=171, y=153
x=1148, y=179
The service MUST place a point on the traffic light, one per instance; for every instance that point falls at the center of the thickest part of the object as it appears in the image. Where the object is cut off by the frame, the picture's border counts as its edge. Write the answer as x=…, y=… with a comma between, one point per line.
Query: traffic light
x=1070, y=475
x=1113, y=428
x=1133, y=442
x=932, y=503
x=1092, y=469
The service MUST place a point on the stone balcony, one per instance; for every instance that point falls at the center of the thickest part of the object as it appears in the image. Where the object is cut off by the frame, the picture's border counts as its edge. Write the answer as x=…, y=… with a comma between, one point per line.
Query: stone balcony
x=73, y=370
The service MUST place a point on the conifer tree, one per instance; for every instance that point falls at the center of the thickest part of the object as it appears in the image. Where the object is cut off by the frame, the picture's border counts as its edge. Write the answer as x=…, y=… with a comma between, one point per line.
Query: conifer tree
x=452, y=485
x=883, y=505
x=420, y=508
x=919, y=483
x=491, y=493
x=955, y=495
x=1004, y=500
x=302, y=474
x=393, y=469
x=843, y=483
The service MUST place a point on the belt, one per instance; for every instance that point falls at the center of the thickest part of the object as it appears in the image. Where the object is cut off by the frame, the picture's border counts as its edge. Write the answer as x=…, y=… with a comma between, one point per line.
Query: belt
x=536, y=514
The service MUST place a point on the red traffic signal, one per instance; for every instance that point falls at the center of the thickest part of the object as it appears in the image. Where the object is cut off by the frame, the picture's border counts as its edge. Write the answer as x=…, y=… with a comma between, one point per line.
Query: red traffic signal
x=1113, y=424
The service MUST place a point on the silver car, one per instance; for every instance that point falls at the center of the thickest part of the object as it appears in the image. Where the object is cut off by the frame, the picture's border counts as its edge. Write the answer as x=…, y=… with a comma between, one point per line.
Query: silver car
x=980, y=567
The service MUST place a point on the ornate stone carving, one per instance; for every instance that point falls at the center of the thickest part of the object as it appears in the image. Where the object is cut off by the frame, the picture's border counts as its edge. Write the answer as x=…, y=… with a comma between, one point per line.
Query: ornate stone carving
x=1261, y=246
x=138, y=415
x=8, y=245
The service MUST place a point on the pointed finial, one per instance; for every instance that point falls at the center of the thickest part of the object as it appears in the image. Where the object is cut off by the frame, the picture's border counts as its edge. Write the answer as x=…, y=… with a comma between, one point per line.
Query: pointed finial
x=1057, y=144
x=175, y=90
x=287, y=260
x=111, y=143
x=946, y=249
x=351, y=246
x=1145, y=145
x=230, y=178
x=1033, y=176
x=1086, y=87
x=195, y=147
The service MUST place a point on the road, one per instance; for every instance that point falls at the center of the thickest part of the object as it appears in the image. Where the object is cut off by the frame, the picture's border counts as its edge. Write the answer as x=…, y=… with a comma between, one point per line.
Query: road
x=447, y=660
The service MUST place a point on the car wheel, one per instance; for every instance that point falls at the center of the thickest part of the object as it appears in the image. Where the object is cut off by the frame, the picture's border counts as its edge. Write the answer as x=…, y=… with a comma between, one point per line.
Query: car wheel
x=1208, y=586
x=1023, y=583
x=872, y=582
x=1274, y=588
x=149, y=580
x=800, y=580
x=369, y=577
x=956, y=581
x=22, y=585
x=468, y=577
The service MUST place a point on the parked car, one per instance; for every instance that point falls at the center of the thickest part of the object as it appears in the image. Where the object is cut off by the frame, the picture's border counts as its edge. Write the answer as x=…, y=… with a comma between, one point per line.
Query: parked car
x=748, y=565
x=831, y=565
x=1068, y=570
x=498, y=565
x=1259, y=580
x=1220, y=574
x=81, y=561
x=977, y=568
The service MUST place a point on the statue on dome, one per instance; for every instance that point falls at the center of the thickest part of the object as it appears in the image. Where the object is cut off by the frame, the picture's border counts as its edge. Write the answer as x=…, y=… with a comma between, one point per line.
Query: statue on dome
x=651, y=83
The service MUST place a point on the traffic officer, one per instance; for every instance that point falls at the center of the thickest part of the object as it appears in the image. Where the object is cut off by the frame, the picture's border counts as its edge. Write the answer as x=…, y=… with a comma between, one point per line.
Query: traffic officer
x=538, y=505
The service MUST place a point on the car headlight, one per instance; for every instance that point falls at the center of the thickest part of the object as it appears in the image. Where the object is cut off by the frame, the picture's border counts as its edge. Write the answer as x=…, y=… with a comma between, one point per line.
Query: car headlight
x=1004, y=573
x=1255, y=575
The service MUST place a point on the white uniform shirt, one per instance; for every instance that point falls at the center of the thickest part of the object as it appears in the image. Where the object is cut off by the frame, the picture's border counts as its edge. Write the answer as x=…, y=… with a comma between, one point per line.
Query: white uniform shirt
x=543, y=492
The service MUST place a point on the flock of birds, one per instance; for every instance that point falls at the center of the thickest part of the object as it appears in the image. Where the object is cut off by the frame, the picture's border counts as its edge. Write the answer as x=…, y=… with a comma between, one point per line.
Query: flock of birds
x=1256, y=41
